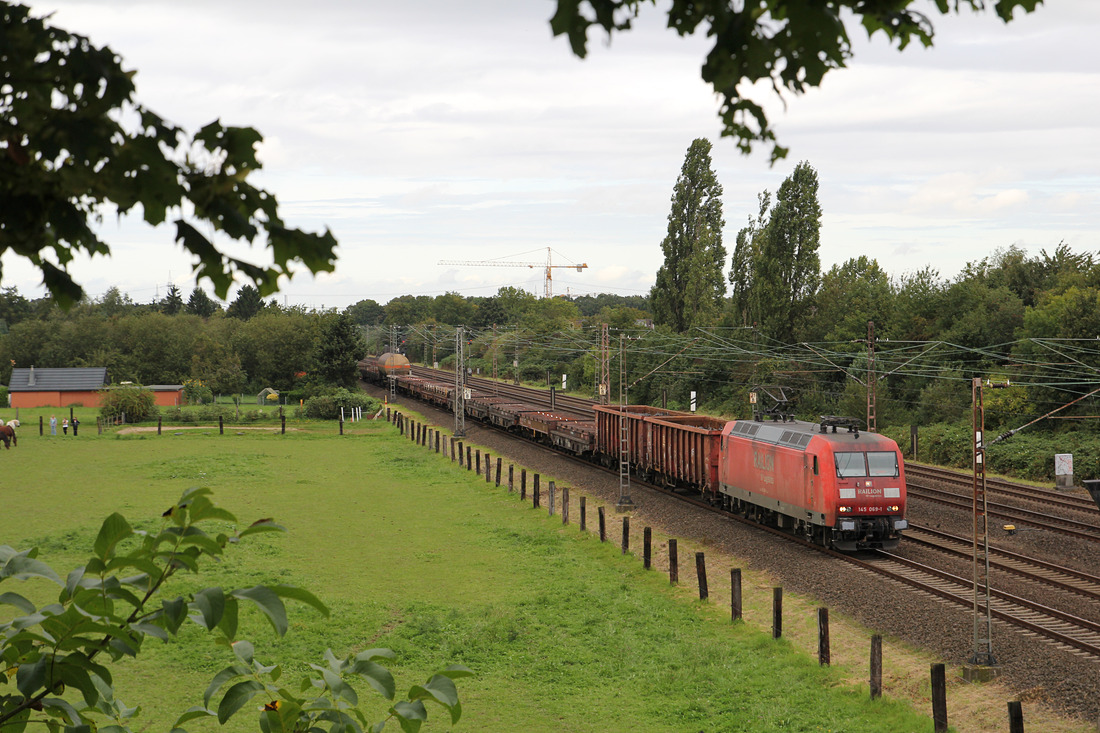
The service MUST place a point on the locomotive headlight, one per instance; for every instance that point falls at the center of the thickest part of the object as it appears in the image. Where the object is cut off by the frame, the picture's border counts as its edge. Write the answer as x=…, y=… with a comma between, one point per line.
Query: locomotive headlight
x=845, y=510
x=893, y=508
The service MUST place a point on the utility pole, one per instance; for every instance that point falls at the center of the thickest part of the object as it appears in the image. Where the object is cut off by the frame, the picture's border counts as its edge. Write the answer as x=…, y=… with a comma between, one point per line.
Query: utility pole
x=494, y=358
x=982, y=658
x=872, y=420
x=625, y=503
x=393, y=350
x=605, y=366
x=460, y=383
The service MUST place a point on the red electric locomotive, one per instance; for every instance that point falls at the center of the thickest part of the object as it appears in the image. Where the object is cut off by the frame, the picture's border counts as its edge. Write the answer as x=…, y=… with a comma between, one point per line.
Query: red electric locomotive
x=841, y=488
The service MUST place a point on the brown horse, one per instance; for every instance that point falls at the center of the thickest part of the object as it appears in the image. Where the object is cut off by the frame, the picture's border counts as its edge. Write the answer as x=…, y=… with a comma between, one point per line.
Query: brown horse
x=7, y=434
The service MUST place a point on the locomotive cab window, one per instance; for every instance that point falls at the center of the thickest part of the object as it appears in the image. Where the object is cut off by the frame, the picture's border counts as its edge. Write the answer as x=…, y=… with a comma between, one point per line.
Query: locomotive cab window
x=872, y=463
x=850, y=465
x=882, y=463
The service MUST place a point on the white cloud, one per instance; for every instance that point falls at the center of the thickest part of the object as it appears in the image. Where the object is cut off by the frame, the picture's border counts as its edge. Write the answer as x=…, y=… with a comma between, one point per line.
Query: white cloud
x=437, y=130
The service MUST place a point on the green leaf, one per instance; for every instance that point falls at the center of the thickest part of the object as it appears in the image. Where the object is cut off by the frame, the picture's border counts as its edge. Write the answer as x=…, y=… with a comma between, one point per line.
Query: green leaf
x=244, y=651
x=30, y=677
x=193, y=713
x=443, y=690
x=235, y=698
x=210, y=603
x=229, y=673
x=411, y=715
x=23, y=567
x=300, y=594
x=261, y=525
x=115, y=529
x=228, y=624
x=268, y=602
x=63, y=709
x=14, y=599
x=377, y=677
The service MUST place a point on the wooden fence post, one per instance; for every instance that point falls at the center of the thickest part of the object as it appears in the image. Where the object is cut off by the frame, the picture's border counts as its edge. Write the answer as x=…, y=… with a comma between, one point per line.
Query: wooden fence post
x=461, y=457
x=536, y=503
x=647, y=548
x=701, y=571
x=158, y=425
x=584, y=525
x=626, y=535
x=469, y=465
x=603, y=524
x=876, y=666
x=735, y=594
x=523, y=484
x=939, y=698
x=550, y=490
x=341, y=426
x=488, y=469
x=452, y=442
x=282, y=419
x=1015, y=717
x=477, y=457
x=565, y=505
x=673, y=564
x=777, y=613
x=221, y=426
x=498, y=470
x=511, y=477
x=823, y=654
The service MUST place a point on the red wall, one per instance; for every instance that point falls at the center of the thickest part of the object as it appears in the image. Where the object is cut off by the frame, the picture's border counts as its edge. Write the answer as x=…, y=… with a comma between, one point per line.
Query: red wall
x=88, y=399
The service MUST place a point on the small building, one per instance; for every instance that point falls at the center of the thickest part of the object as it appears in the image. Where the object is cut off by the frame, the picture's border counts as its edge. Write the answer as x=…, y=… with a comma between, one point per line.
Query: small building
x=30, y=387
x=38, y=387
x=166, y=395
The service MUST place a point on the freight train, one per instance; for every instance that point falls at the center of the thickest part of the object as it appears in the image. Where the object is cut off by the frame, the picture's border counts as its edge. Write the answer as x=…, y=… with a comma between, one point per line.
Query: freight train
x=825, y=480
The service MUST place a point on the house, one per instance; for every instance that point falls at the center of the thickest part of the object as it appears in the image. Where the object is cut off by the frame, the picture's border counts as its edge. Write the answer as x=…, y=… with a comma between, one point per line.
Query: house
x=38, y=387
x=56, y=387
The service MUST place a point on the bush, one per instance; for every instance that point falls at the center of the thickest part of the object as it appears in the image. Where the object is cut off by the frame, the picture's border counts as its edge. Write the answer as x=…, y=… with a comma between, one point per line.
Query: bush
x=327, y=406
x=131, y=400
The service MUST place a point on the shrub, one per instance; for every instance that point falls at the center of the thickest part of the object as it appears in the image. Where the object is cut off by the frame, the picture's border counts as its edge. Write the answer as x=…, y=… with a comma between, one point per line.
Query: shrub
x=131, y=400
x=327, y=406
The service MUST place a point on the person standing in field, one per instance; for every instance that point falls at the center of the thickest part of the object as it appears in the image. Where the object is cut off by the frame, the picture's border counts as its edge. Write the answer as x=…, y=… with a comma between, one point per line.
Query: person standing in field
x=53, y=424
x=76, y=423
x=65, y=426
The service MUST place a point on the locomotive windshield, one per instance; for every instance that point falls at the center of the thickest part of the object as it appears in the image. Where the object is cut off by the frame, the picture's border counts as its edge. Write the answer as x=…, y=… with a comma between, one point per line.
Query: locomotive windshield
x=876, y=463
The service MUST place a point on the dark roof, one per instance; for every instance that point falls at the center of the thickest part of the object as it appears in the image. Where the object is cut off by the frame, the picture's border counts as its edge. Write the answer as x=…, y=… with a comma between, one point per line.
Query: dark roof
x=73, y=379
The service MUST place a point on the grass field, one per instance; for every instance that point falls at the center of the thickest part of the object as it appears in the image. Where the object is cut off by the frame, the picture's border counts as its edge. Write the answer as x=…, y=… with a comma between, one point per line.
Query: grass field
x=413, y=553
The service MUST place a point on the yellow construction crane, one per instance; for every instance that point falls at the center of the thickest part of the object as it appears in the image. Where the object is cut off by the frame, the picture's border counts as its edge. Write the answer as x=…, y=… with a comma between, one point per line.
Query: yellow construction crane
x=548, y=290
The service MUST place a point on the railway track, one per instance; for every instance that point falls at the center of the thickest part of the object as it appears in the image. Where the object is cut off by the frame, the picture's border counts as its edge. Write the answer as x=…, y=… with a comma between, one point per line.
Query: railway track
x=1017, y=515
x=550, y=399
x=1002, y=487
x=1057, y=627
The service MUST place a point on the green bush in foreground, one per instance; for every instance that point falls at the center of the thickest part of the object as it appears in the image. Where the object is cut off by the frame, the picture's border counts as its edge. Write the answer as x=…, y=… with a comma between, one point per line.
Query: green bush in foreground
x=108, y=608
x=132, y=400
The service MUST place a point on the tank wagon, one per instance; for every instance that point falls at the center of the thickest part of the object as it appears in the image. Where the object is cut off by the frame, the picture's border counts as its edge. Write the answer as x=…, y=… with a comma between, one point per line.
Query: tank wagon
x=377, y=369
x=823, y=480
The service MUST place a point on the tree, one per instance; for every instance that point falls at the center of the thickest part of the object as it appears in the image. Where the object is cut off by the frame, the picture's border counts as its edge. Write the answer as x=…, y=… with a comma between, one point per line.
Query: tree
x=743, y=266
x=339, y=351
x=786, y=265
x=107, y=609
x=213, y=361
x=852, y=294
x=247, y=304
x=788, y=45
x=173, y=302
x=366, y=312
x=690, y=288
x=75, y=145
x=200, y=304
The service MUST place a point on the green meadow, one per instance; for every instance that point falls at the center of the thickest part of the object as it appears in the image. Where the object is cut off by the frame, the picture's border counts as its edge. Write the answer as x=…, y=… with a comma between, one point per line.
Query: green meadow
x=413, y=553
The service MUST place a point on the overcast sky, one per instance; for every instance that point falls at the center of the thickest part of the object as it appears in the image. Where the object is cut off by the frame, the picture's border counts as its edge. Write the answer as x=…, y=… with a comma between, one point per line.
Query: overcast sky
x=426, y=130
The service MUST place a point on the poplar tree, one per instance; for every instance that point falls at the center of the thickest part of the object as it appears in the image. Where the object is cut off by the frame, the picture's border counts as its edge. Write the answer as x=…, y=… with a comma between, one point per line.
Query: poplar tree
x=776, y=267
x=690, y=288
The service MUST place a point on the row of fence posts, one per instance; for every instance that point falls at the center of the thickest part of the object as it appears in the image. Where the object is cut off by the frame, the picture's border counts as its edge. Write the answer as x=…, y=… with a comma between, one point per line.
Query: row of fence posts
x=470, y=458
